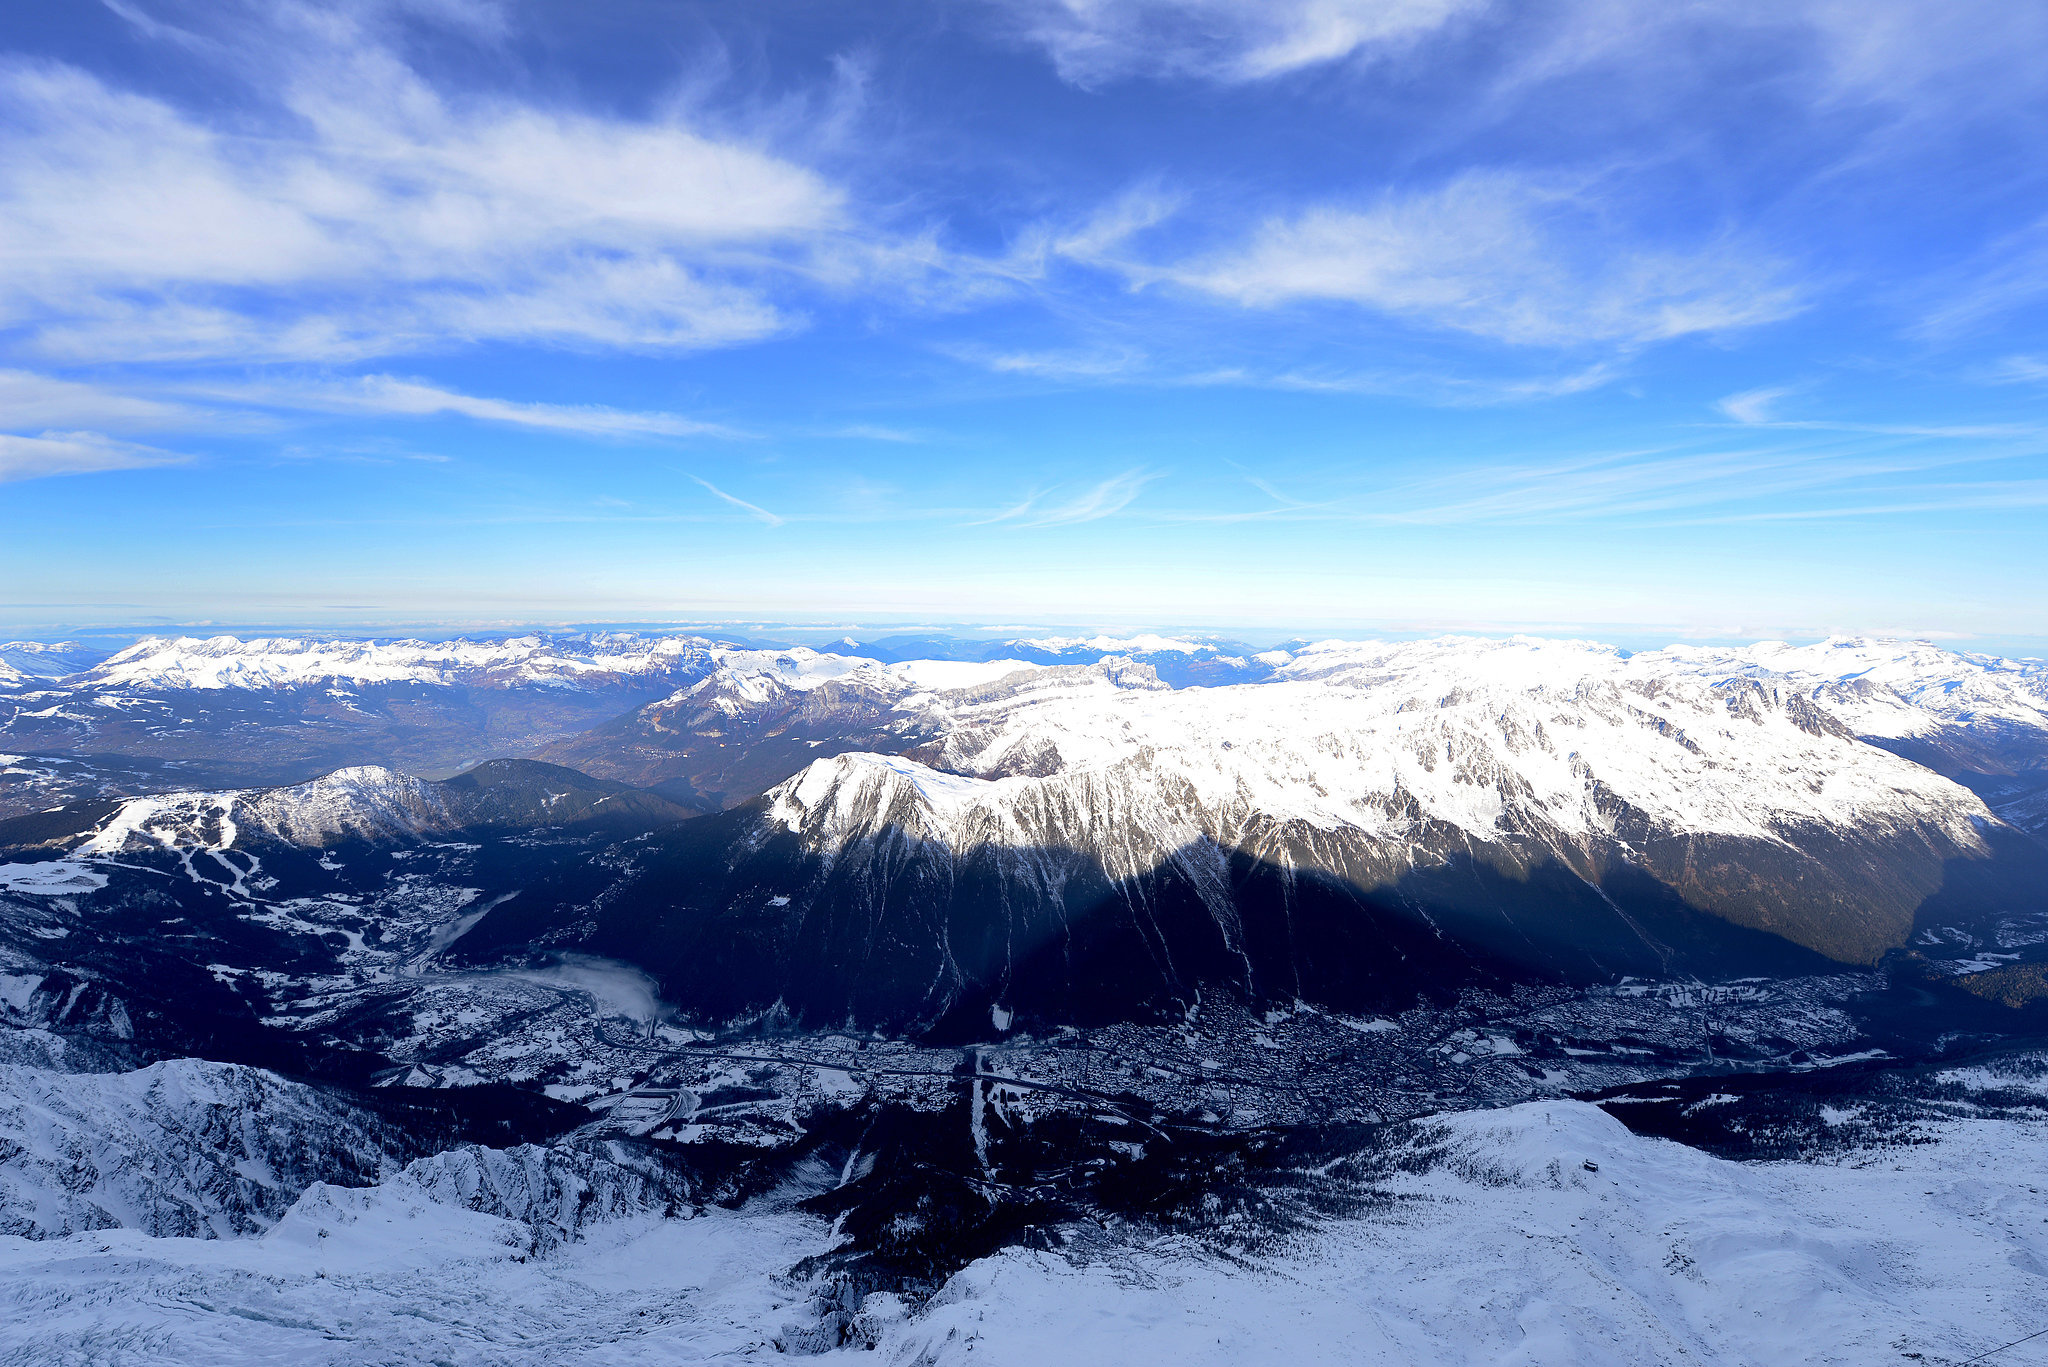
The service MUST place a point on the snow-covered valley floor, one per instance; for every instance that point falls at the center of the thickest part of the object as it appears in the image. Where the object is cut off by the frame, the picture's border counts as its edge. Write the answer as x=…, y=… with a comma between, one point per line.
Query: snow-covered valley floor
x=1540, y=1233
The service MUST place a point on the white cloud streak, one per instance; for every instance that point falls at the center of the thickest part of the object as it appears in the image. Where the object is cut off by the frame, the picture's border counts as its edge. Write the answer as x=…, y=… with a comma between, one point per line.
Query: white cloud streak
x=73, y=453
x=1493, y=255
x=1922, y=56
x=1824, y=480
x=2021, y=370
x=394, y=396
x=1065, y=365
x=1752, y=406
x=1094, y=41
x=1105, y=499
x=754, y=510
x=1450, y=391
x=28, y=399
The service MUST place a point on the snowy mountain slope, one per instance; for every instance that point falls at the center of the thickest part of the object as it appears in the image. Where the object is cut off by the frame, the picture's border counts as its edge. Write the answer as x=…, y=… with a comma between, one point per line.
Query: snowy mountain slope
x=1518, y=752
x=1514, y=1251
x=557, y=1191
x=360, y=804
x=272, y=711
x=388, y=1275
x=873, y=707
x=1488, y=736
x=190, y=1148
x=48, y=660
x=759, y=717
x=1889, y=688
x=1978, y=719
x=369, y=804
x=1500, y=1245
x=267, y=737
x=183, y=1148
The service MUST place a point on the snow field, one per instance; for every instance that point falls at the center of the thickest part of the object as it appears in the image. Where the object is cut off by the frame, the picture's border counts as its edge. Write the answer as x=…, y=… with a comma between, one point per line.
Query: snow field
x=1515, y=1253
x=1509, y=1251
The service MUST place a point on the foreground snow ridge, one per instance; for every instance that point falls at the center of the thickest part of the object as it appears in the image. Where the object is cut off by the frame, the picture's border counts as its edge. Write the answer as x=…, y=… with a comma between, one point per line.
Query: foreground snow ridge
x=1514, y=1249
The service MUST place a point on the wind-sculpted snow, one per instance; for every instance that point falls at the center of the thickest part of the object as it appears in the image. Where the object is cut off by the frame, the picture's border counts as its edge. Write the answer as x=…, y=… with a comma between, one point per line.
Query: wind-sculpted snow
x=184, y=1148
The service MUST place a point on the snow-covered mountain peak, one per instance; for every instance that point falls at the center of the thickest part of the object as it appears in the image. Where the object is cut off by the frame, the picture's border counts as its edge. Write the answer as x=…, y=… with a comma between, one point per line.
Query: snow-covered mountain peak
x=1516, y=660
x=799, y=667
x=1416, y=755
x=1566, y=746
x=366, y=802
x=855, y=795
x=1110, y=675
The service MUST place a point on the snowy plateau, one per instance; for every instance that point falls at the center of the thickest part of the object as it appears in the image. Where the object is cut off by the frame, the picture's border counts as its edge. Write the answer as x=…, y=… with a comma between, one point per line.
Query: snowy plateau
x=640, y=998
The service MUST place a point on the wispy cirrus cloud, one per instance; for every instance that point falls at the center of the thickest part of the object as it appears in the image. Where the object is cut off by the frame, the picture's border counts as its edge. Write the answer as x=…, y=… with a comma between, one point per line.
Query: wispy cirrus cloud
x=1924, y=53
x=1825, y=478
x=1497, y=255
x=28, y=399
x=865, y=431
x=1105, y=499
x=74, y=453
x=1057, y=508
x=1448, y=390
x=1076, y=364
x=395, y=396
x=2000, y=278
x=1758, y=408
x=1753, y=406
x=1094, y=41
x=753, y=510
x=2020, y=370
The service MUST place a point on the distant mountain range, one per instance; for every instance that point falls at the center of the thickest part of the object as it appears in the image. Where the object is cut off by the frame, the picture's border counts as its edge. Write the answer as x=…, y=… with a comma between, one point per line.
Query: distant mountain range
x=948, y=844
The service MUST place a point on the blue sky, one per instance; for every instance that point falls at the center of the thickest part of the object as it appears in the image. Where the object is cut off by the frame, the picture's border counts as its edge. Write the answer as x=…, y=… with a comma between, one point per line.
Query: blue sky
x=1649, y=321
